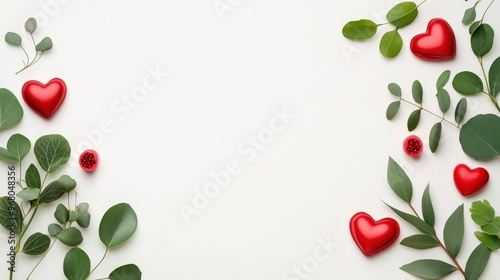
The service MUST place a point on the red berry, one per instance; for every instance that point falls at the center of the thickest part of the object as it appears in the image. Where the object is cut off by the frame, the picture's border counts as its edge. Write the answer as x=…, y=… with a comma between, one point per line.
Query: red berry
x=89, y=160
x=413, y=146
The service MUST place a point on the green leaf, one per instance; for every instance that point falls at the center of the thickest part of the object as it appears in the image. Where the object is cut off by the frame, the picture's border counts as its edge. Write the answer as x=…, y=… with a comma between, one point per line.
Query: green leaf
x=399, y=182
x=29, y=194
x=427, y=208
x=13, y=39
x=414, y=119
x=453, y=233
x=52, y=151
x=444, y=100
x=33, y=180
x=490, y=241
x=467, y=83
x=82, y=207
x=61, y=214
x=420, y=242
x=417, y=91
x=494, y=77
x=391, y=44
x=30, y=25
x=126, y=272
x=460, y=110
x=482, y=40
x=117, y=225
x=415, y=221
x=67, y=183
x=469, y=15
x=6, y=156
x=443, y=79
x=492, y=227
x=474, y=26
x=392, y=110
x=435, y=136
x=429, y=269
x=360, y=29
x=36, y=244
x=477, y=262
x=402, y=14
x=482, y=212
x=480, y=136
x=83, y=219
x=19, y=146
x=70, y=236
x=76, y=265
x=11, y=112
x=44, y=45
x=54, y=229
x=11, y=216
x=52, y=192
x=394, y=89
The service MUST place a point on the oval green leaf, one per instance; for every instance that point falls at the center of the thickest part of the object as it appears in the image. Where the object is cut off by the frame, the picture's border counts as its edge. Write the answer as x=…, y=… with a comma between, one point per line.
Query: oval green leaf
x=44, y=45
x=52, y=151
x=420, y=242
x=13, y=39
x=19, y=146
x=83, y=219
x=467, y=83
x=394, y=89
x=444, y=100
x=391, y=44
x=29, y=194
x=482, y=212
x=493, y=227
x=494, y=77
x=51, y=193
x=399, y=182
x=61, y=214
x=460, y=110
x=490, y=241
x=427, y=208
x=417, y=91
x=402, y=14
x=435, y=137
x=11, y=111
x=477, y=262
x=54, y=229
x=480, y=136
x=429, y=269
x=414, y=119
x=76, y=265
x=474, y=26
x=482, y=40
x=36, y=244
x=11, y=216
x=70, y=236
x=126, y=272
x=30, y=25
x=117, y=225
x=469, y=15
x=443, y=79
x=392, y=110
x=360, y=29
x=33, y=180
x=453, y=233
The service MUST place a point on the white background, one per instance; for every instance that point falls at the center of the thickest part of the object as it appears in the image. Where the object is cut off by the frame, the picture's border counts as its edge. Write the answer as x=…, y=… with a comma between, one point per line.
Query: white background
x=228, y=73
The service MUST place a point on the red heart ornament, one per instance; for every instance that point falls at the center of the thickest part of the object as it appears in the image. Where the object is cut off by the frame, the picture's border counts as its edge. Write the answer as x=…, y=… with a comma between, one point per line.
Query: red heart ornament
x=470, y=181
x=436, y=44
x=44, y=99
x=373, y=236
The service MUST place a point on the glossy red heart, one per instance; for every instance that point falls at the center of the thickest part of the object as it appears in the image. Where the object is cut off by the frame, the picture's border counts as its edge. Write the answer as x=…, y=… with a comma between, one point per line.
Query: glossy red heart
x=373, y=236
x=437, y=43
x=44, y=99
x=470, y=181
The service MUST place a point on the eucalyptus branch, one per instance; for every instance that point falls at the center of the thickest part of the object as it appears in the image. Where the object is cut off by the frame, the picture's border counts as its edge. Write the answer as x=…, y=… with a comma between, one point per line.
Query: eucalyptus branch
x=420, y=107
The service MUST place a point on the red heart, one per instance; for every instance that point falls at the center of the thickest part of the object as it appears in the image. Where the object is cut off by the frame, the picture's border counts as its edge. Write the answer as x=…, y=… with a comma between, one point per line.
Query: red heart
x=44, y=99
x=470, y=181
x=373, y=236
x=437, y=43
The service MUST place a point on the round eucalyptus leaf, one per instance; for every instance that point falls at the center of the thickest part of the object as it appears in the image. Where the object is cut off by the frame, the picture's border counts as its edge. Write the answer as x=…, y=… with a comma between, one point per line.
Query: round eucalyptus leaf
x=117, y=225
x=360, y=29
x=391, y=44
x=44, y=45
x=126, y=272
x=402, y=14
x=61, y=214
x=30, y=25
x=480, y=136
x=482, y=40
x=467, y=83
x=13, y=39
x=54, y=229
x=70, y=236
x=76, y=264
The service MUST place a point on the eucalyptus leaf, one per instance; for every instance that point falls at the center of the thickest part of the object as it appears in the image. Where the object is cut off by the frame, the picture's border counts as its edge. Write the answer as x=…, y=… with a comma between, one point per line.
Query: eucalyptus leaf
x=61, y=214
x=477, y=262
x=83, y=219
x=493, y=227
x=67, y=183
x=44, y=45
x=13, y=39
x=435, y=136
x=399, y=182
x=453, y=233
x=30, y=25
x=52, y=151
x=19, y=146
x=70, y=236
x=444, y=100
x=33, y=180
x=490, y=241
x=414, y=119
x=427, y=208
x=429, y=269
x=402, y=14
x=474, y=26
x=469, y=15
x=360, y=29
x=391, y=44
x=394, y=89
x=494, y=77
x=460, y=110
x=467, y=83
x=7, y=156
x=420, y=242
x=11, y=216
x=482, y=212
x=11, y=111
x=482, y=40
x=415, y=221
x=117, y=225
x=51, y=193
x=480, y=136
x=443, y=79
x=54, y=229
x=126, y=272
x=392, y=109
x=29, y=194
x=76, y=265
x=417, y=91
x=36, y=244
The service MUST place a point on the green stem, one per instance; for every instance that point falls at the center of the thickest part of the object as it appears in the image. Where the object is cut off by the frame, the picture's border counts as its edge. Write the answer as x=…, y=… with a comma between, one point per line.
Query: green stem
x=35, y=60
x=99, y=263
x=41, y=259
x=488, y=88
x=429, y=112
x=485, y=11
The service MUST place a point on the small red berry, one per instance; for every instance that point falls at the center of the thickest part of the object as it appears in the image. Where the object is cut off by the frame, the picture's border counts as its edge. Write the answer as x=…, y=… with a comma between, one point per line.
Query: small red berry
x=413, y=146
x=89, y=160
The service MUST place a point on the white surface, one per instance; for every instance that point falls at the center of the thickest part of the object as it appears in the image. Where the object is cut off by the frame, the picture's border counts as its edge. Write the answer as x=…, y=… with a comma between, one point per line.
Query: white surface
x=227, y=77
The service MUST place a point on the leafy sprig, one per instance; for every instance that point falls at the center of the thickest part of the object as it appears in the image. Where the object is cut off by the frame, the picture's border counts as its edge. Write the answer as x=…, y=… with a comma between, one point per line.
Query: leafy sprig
x=41, y=47
x=391, y=43
x=483, y=214
x=453, y=233
x=444, y=102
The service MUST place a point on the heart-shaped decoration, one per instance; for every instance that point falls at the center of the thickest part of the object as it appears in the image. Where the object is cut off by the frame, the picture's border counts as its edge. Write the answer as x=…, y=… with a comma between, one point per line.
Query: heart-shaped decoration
x=437, y=43
x=373, y=236
x=44, y=99
x=470, y=181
